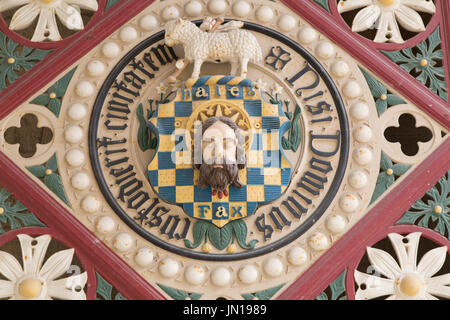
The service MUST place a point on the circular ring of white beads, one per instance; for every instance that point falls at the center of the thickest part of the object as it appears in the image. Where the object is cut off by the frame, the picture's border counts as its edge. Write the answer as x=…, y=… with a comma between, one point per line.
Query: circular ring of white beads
x=340, y=69
x=241, y=8
x=84, y=89
x=77, y=112
x=348, y=202
x=193, y=8
x=90, y=204
x=95, y=68
x=318, y=241
x=325, y=50
x=217, y=6
x=111, y=50
x=362, y=133
x=128, y=34
x=264, y=14
x=74, y=157
x=287, y=23
x=148, y=22
x=352, y=89
x=273, y=267
x=195, y=274
x=123, y=242
x=168, y=268
x=221, y=276
x=360, y=111
x=358, y=179
x=105, y=225
x=297, y=256
x=73, y=134
x=80, y=181
x=336, y=223
x=248, y=274
x=144, y=257
x=170, y=13
x=307, y=35
x=362, y=155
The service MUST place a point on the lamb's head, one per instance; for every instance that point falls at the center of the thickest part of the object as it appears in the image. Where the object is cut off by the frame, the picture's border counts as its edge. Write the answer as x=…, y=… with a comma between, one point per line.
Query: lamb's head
x=177, y=31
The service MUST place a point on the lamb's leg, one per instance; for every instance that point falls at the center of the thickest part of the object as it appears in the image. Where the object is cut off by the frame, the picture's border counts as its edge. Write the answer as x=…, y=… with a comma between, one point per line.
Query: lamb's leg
x=234, y=68
x=197, y=65
x=183, y=64
x=244, y=65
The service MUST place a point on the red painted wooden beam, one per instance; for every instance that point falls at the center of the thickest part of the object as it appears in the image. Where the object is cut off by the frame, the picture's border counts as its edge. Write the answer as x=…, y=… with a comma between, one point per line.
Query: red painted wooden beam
x=385, y=213
x=373, y=60
x=55, y=216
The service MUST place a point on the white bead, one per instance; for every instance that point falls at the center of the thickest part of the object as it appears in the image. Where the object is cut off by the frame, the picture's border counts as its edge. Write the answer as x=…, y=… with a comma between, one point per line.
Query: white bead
x=168, y=268
x=349, y=203
x=264, y=14
x=221, y=276
x=273, y=267
x=123, y=242
x=195, y=274
x=362, y=155
x=217, y=6
x=95, y=68
x=105, y=225
x=340, y=69
x=144, y=257
x=148, y=22
x=358, y=179
x=307, y=35
x=111, y=50
x=73, y=134
x=90, y=204
x=359, y=111
x=287, y=22
x=318, y=241
x=248, y=274
x=352, y=89
x=325, y=50
x=297, y=256
x=75, y=157
x=84, y=89
x=128, y=34
x=193, y=8
x=363, y=133
x=241, y=8
x=77, y=112
x=170, y=13
x=80, y=181
x=336, y=223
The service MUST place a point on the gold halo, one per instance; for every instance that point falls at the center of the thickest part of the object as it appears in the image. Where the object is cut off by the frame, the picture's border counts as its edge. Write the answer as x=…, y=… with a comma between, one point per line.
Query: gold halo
x=222, y=108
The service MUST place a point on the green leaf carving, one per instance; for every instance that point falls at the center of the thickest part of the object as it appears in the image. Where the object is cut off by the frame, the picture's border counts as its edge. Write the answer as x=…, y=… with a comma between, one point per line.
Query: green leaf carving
x=145, y=139
x=24, y=59
x=220, y=237
x=199, y=233
x=323, y=4
x=337, y=288
x=294, y=135
x=425, y=212
x=240, y=231
x=179, y=294
x=53, y=182
x=110, y=3
x=104, y=289
x=38, y=171
x=262, y=295
x=59, y=90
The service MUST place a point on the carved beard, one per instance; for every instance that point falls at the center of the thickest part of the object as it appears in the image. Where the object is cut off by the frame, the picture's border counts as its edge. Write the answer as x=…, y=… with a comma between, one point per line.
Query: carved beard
x=219, y=178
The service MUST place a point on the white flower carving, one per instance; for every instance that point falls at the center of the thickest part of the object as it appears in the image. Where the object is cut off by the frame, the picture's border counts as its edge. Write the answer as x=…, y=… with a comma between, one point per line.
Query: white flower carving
x=260, y=84
x=36, y=281
x=161, y=89
x=385, y=15
x=277, y=89
x=409, y=280
x=68, y=12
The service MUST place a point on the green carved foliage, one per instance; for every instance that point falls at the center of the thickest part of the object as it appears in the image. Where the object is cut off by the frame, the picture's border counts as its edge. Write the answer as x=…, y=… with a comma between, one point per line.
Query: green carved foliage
x=53, y=97
x=146, y=140
x=220, y=237
x=389, y=171
x=383, y=99
x=14, y=214
x=323, y=4
x=47, y=173
x=262, y=295
x=432, y=74
x=336, y=288
x=105, y=290
x=110, y=3
x=179, y=294
x=292, y=142
x=432, y=211
x=15, y=60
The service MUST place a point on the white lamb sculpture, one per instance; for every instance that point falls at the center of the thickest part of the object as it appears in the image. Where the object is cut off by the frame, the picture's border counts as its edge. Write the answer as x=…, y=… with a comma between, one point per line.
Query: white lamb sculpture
x=235, y=46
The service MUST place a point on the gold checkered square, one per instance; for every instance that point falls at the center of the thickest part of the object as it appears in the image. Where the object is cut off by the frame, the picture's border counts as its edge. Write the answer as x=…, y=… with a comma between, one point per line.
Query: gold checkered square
x=255, y=193
x=166, y=178
x=167, y=110
x=242, y=174
x=272, y=176
x=153, y=165
x=285, y=163
x=166, y=143
x=269, y=110
x=184, y=194
x=270, y=141
x=255, y=159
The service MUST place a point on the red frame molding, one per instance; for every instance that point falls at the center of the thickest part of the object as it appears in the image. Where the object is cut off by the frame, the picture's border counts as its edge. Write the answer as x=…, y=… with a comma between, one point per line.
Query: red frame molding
x=63, y=224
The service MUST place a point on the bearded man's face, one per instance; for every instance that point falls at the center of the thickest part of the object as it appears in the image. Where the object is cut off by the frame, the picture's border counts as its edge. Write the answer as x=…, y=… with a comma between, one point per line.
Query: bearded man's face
x=219, y=168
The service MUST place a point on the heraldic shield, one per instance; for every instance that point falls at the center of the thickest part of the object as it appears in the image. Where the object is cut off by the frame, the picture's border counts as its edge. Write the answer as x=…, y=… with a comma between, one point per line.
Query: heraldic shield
x=172, y=171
